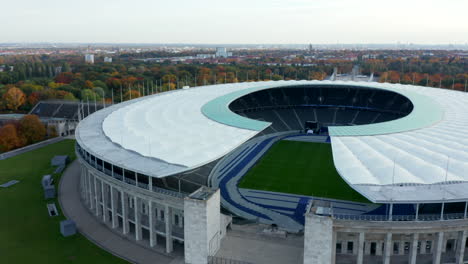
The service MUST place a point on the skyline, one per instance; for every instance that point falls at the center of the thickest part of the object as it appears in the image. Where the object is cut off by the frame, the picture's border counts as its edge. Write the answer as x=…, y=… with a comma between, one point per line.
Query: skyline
x=217, y=22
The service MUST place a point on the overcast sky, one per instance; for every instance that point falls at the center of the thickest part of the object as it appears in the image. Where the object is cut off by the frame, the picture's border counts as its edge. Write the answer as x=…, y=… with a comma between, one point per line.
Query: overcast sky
x=235, y=21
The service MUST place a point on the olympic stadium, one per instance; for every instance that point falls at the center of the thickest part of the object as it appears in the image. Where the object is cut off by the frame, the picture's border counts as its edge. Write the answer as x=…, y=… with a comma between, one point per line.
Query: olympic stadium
x=365, y=172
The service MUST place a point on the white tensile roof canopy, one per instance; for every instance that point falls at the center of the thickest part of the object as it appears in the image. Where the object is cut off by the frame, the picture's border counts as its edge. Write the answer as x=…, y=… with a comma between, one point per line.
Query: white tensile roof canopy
x=422, y=157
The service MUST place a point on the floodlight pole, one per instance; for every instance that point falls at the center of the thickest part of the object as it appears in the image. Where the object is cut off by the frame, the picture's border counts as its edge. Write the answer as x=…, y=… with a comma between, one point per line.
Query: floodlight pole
x=121, y=93
x=87, y=99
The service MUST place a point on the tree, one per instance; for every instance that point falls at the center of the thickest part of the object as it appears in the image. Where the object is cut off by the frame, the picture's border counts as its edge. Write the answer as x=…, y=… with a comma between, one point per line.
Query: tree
x=90, y=95
x=14, y=98
x=34, y=98
x=8, y=138
x=134, y=94
x=31, y=129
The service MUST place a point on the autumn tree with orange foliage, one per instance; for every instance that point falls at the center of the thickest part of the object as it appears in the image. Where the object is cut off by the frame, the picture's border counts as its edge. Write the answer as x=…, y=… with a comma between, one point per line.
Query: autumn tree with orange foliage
x=14, y=98
x=9, y=138
x=31, y=129
x=132, y=94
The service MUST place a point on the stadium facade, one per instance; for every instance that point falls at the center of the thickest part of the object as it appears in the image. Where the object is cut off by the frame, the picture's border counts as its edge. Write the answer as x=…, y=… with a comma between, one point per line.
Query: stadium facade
x=158, y=168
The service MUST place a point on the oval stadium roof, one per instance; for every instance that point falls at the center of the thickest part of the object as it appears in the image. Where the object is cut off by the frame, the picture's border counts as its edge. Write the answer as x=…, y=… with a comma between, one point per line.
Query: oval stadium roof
x=404, y=160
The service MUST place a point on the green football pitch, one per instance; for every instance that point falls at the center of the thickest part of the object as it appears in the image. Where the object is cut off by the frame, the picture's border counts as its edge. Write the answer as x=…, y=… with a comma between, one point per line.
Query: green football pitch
x=27, y=233
x=299, y=168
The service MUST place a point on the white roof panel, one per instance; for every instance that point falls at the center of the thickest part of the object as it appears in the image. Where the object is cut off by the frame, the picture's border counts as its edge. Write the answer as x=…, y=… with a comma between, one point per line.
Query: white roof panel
x=168, y=133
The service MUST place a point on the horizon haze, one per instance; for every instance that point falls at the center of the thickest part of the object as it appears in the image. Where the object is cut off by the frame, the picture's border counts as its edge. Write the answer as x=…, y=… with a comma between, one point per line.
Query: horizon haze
x=245, y=22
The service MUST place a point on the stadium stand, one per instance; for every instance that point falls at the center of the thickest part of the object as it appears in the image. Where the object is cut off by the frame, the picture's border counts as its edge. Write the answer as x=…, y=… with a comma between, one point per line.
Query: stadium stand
x=289, y=108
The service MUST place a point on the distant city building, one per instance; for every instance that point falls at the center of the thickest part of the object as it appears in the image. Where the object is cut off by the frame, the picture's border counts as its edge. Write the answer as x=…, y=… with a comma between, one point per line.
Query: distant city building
x=108, y=59
x=369, y=56
x=222, y=52
x=89, y=58
x=205, y=56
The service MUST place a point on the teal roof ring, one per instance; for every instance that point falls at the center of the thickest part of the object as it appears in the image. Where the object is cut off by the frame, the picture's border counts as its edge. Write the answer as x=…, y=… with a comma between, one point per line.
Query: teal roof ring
x=426, y=111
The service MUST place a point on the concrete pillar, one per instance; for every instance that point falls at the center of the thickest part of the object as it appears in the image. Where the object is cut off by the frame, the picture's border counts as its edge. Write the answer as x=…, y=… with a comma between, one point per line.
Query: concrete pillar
x=413, y=250
x=378, y=248
x=333, y=249
x=137, y=208
x=168, y=222
x=401, y=247
x=422, y=249
x=124, y=201
x=437, y=248
x=367, y=247
x=96, y=197
x=104, y=201
x=388, y=248
x=82, y=185
x=151, y=217
x=355, y=246
x=114, y=201
x=461, y=244
x=91, y=191
x=85, y=178
x=360, y=256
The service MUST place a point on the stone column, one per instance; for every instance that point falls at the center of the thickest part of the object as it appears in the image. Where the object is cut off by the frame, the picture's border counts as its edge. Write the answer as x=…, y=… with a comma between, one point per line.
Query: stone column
x=423, y=246
x=378, y=248
x=367, y=247
x=168, y=220
x=137, y=207
x=401, y=247
x=124, y=199
x=104, y=201
x=96, y=197
x=360, y=256
x=437, y=251
x=333, y=249
x=461, y=244
x=91, y=191
x=85, y=178
x=413, y=250
x=355, y=246
x=82, y=185
x=388, y=248
x=151, y=217
x=114, y=201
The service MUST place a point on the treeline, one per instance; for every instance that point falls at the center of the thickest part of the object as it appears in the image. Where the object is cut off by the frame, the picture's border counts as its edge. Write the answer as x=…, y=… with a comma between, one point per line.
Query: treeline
x=28, y=130
x=34, y=78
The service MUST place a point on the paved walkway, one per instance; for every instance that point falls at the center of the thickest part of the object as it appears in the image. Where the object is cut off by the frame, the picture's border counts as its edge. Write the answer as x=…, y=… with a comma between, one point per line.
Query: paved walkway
x=97, y=232
x=247, y=243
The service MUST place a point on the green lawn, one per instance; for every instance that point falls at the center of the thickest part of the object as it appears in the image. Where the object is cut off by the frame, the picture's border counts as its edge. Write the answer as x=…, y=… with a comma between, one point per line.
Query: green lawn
x=299, y=168
x=27, y=233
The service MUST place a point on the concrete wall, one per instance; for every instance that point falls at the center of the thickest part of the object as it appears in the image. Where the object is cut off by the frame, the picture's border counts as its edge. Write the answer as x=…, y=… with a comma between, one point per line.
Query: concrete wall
x=318, y=240
x=22, y=150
